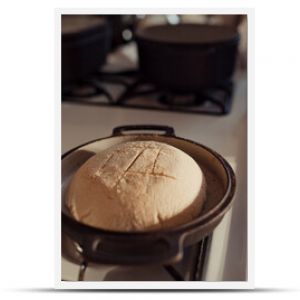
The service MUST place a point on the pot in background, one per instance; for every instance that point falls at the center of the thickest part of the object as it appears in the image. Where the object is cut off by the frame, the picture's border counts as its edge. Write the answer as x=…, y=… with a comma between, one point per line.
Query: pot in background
x=85, y=43
x=187, y=57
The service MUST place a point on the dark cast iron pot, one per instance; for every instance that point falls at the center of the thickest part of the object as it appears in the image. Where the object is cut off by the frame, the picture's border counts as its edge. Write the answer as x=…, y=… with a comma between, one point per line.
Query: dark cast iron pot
x=187, y=57
x=157, y=246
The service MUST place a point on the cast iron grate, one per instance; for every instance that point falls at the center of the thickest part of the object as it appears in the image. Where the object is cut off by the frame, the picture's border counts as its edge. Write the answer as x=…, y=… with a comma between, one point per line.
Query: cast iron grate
x=135, y=92
x=194, y=271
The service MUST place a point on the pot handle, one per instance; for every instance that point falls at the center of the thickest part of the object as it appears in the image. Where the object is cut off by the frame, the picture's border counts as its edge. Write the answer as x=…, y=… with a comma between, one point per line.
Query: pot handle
x=162, y=250
x=169, y=131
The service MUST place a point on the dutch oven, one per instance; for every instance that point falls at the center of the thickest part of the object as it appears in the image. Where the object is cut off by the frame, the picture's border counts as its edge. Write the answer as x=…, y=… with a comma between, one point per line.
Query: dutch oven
x=162, y=246
x=187, y=57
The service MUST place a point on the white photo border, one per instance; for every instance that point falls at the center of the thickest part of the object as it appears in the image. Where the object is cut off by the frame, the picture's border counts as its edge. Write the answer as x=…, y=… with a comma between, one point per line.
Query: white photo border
x=158, y=285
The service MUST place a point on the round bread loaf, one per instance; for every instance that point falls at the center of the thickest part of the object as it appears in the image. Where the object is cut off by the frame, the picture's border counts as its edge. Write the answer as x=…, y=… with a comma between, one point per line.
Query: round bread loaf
x=137, y=186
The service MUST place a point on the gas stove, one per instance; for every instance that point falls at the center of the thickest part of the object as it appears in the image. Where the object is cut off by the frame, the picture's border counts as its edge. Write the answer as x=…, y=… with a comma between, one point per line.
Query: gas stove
x=94, y=107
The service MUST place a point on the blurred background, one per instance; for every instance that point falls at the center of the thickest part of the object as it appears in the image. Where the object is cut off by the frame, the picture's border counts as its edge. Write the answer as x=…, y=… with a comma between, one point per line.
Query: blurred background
x=184, y=71
x=103, y=57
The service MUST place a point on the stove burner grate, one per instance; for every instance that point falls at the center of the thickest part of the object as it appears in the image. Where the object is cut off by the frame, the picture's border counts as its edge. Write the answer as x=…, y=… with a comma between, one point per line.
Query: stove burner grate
x=193, y=272
x=138, y=93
